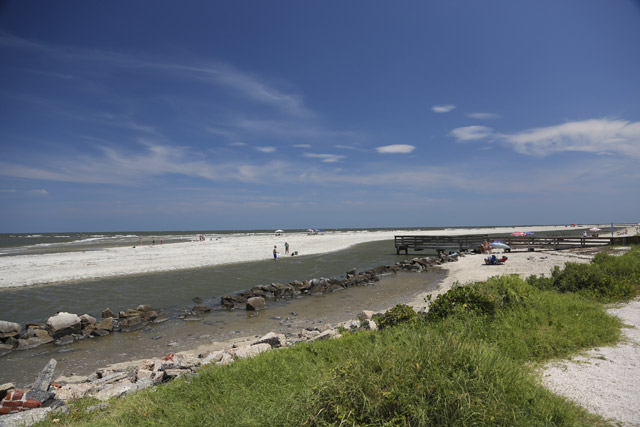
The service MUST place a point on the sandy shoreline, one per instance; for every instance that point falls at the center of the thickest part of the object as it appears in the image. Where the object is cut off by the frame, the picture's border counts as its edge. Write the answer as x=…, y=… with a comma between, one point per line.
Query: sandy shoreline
x=25, y=270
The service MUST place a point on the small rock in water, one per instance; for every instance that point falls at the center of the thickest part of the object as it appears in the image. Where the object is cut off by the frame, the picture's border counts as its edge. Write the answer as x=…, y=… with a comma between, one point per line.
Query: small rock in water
x=293, y=313
x=277, y=318
x=197, y=300
x=65, y=340
x=156, y=337
x=172, y=344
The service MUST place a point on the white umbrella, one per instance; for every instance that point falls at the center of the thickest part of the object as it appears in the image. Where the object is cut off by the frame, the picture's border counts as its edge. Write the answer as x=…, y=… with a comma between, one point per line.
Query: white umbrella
x=279, y=231
x=595, y=229
x=499, y=245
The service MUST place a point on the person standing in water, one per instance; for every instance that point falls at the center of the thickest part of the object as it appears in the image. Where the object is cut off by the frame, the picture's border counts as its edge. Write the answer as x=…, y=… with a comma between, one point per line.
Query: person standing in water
x=286, y=248
x=275, y=253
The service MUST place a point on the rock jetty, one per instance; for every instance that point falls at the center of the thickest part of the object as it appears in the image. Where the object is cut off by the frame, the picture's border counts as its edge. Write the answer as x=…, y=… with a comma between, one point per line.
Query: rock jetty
x=65, y=328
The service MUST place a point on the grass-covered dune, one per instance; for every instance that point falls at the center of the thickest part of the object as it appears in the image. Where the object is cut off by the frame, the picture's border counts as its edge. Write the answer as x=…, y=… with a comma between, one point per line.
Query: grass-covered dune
x=470, y=361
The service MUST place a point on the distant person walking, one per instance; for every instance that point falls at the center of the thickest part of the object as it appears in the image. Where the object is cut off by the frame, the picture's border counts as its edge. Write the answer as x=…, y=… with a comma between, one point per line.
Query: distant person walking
x=275, y=253
x=286, y=248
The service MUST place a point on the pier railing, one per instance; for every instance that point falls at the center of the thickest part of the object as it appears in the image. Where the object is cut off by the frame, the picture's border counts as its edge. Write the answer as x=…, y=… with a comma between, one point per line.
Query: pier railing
x=439, y=243
x=474, y=241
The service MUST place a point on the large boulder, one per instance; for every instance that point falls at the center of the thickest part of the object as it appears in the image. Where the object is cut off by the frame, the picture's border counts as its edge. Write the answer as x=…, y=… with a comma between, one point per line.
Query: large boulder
x=273, y=339
x=250, y=351
x=33, y=342
x=9, y=329
x=231, y=300
x=366, y=315
x=5, y=349
x=131, y=323
x=105, y=324
x=87, y=319
x=108, y=313
x=63, y=324
x=256, y=303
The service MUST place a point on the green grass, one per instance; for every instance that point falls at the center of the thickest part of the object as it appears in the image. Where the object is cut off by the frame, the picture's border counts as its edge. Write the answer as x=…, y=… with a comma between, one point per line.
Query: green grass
x=470, y=363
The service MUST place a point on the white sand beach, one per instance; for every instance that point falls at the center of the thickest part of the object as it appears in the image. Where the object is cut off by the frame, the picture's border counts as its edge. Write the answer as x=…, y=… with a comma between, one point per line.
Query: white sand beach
x=25, y=270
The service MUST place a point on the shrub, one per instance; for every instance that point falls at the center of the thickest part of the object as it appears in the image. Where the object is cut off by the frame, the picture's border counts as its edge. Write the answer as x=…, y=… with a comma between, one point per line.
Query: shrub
x=482, y=298
x=606, y=278
x=400, y=314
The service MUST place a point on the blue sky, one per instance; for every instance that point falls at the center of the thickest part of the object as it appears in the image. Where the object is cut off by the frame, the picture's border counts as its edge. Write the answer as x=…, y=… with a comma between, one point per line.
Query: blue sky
x=158, y=115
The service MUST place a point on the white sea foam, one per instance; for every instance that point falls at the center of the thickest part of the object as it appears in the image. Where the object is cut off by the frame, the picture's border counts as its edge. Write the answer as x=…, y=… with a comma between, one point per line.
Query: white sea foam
x=25, y=270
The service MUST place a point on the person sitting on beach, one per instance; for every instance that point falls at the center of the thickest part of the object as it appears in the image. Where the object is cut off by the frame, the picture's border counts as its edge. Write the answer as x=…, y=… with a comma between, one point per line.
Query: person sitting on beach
x=275, y=253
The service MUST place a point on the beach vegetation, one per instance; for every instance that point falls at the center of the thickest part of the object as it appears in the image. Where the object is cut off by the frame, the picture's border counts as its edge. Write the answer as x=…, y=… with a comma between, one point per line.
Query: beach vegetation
x=471, y=362
x=398, y=315
x=607, y=278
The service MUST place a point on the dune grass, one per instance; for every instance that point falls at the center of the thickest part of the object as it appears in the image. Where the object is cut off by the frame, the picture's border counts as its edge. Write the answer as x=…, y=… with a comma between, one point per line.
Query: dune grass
x=470, y=362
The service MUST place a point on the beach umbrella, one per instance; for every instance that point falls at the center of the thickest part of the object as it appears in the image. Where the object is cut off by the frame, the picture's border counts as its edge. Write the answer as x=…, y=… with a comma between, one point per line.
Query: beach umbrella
x=594, y=229
x=309, y=230
x=279, y=231
x=499, y=245
x=518, y=233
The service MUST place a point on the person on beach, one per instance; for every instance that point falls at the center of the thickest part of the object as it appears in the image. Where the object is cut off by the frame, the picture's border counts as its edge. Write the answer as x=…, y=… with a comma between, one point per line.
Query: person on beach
x=275, y=253
x=286, y=248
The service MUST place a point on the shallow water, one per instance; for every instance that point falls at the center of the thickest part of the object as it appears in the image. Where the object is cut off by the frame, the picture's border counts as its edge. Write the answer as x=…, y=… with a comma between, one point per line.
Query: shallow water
x=173, y=291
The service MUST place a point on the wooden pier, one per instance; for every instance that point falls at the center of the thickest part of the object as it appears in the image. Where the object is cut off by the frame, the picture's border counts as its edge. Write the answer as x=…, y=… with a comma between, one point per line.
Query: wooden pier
x=439, y=243
x=532, y=242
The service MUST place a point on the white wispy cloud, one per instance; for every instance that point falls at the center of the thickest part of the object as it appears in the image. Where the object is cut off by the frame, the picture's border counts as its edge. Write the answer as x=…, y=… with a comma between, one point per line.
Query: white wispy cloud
x=589, y=136
x=238, y=144
x=266, y=149
x=216, y=72
x=326, y=158
x=597, y=136
x=396, y=149
x=301, y=145
x=484, y=116
x=471, y=133
x=443, y=108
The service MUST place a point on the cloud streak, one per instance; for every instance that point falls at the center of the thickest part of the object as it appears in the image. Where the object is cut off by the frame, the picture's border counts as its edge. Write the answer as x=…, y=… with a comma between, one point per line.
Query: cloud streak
x=396, y=149
x=218, y=73
x=326, y=158
x=471, y=133
x=597, y=136
x=443, y=108
x=484, y=116
x=588, y=136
